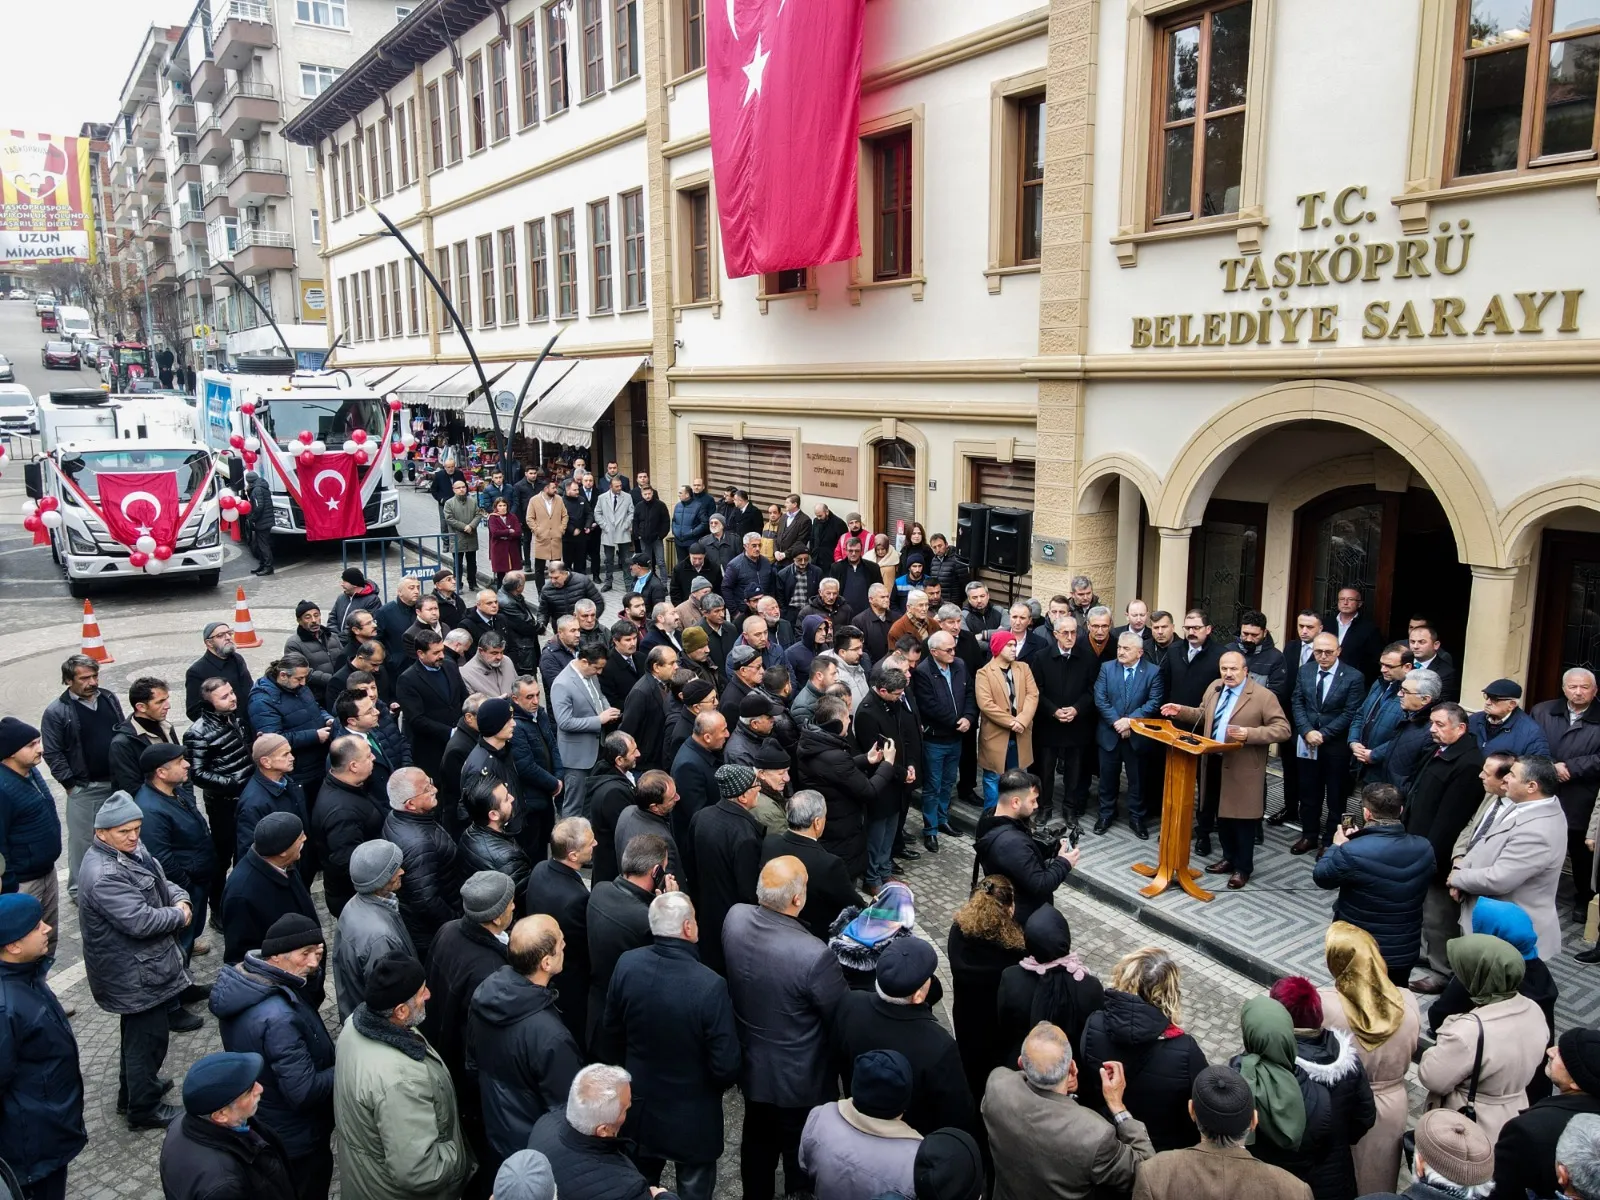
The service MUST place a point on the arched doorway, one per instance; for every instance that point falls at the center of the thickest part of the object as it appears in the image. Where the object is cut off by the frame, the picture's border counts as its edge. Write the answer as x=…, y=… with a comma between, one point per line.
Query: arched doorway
x=894, y=485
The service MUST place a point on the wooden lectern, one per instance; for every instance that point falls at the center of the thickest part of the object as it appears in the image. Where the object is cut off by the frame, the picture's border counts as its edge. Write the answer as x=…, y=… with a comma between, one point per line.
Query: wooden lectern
x=1184, y=750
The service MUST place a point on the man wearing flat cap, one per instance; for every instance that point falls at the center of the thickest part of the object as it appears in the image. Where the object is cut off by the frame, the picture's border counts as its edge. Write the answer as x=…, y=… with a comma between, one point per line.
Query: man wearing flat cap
x=220, y=1147
x=121, y=888
x=1502, y=727
x=1220, y=1167
x=393, y=1101
x=897, y=1016
x=724, y=856
x=860, y=1146
x=757, y=717
x=30, y=830
x=1454, y=1158
x=1525, y=1154
x=370, y=926
x=175, y=832
x=41, y=1091
x=265, y=1005
x=264, y=886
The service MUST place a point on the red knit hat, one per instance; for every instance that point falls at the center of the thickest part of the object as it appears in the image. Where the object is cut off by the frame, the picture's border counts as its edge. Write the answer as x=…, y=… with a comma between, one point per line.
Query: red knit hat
x=1299, y=995
x=999, y=638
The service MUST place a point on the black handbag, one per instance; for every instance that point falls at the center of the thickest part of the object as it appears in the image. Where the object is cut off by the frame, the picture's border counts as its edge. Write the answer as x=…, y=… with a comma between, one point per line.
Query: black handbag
x=1469, y=1110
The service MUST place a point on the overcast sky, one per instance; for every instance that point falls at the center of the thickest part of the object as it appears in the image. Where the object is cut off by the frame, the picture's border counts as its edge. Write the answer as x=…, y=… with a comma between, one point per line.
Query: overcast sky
x=66, y=60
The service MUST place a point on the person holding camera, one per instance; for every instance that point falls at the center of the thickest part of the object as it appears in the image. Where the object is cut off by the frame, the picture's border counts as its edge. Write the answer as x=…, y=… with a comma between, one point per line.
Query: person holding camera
x=1007, y=846
x=1235, y=708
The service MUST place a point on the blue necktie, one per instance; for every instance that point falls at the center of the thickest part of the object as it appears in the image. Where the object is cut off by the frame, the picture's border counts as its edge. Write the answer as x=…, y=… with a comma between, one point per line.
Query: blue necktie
x=1224, y=708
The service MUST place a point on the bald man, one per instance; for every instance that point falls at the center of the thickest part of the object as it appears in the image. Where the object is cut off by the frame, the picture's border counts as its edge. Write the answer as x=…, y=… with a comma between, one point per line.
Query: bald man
x=1327, y=698
x=785, y=983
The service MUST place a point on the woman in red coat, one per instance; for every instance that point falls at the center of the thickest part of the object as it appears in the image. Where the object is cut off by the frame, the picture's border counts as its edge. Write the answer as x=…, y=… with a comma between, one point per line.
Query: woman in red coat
x=505, y=541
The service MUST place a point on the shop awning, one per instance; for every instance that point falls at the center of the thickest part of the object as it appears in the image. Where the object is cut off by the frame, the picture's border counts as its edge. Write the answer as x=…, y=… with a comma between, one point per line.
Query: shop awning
x=569, y=412
x=551, y=372
x=371, y=377
x=419, y=388
x=452, y=394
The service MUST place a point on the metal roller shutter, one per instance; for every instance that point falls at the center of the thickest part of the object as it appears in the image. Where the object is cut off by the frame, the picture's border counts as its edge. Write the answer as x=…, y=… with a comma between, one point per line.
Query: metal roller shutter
x=1007, y=485
x=762, y=468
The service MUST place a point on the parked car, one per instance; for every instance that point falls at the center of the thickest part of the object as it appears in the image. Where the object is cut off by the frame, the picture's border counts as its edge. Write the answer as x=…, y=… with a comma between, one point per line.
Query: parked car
x=8, y=373
x=60, y=354
x=18, y=412
x=19, y=293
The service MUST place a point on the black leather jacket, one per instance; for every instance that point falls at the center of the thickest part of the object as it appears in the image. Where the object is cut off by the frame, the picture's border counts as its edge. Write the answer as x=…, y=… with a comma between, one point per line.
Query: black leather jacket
x=482, y=849
x=430, y=890
x=217, y=753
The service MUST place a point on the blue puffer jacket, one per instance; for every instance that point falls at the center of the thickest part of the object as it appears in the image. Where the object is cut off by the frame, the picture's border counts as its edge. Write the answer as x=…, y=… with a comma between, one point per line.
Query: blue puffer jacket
x=1382, y=875
x=178, y=837
x=30, y=830
x=298, y=717
x=41, y=1102
x=260, y=1010
x=1518, y=735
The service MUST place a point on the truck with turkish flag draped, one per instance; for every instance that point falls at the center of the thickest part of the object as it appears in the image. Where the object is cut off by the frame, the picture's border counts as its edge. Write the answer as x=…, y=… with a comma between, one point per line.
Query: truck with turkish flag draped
x=324, y=447
x=123, y=487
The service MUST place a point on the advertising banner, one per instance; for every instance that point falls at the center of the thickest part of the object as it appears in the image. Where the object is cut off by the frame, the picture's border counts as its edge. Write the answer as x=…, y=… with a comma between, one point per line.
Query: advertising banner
x=46, y=214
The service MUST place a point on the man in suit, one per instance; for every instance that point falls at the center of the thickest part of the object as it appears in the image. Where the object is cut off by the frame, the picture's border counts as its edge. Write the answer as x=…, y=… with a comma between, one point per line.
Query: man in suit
x=1327, y=698
x=828, y=886
x=1571, y=725
x=855, y=575
x=826, y=530
x=794, y=531
x=1379, y=720
x=1126, y=690
x=1360, y=640
x=581, y=712
x=1424, y=639
x=941, y=687
x=1185, y=675
x=1235, y=709
x=1063, y=732
x=1516, y=852
x=1296, y=655
x=744, y=517
x=431, y=694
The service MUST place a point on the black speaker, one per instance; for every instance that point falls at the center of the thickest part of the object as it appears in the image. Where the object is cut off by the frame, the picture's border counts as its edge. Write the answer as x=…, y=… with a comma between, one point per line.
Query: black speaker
x=972, y=534
x=1010, y=541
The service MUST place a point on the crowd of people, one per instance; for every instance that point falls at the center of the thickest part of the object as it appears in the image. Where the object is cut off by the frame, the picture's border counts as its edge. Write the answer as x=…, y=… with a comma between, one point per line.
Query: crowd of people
x=582, y=877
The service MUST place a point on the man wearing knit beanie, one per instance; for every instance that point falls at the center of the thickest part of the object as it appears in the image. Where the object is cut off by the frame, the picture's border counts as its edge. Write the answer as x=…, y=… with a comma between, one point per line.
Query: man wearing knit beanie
x=1453, y=1153
x=370, y=925
x=265, y=886
x=1220, y=1167
x=727, y=850
x=30, y=833
x=267, y=1005
x=1525, y=1154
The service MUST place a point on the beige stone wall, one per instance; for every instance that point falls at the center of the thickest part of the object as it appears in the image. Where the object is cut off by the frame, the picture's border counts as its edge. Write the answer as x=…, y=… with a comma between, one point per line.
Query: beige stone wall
x=656, y=72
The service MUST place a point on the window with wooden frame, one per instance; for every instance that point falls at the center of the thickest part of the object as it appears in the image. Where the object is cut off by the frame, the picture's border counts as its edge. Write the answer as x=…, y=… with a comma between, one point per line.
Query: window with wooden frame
x=538, y=271
x=566, y=265
x=594, y=47
x=463, y=284
x=344, y=308
x=499, y=92
x=600, y=256
x=625, y=39
x=394, y=297
x=891, y=205
x=452, y=115
x=633, y=250
x=346, y=158
x=488, y=284
x=1016, y=176
x=777, y=284
x=435, y=129
x=697, y=239
x=693, y=22
x=402, y=147
x=508, y=276
x=357, y=330
x=1030, y=179
x=477, y=113
x=366, y=303
x=382, y=305
x=527, y=36
x=373, y=175
x=441, y=272
x=334, y=201
x=386, y=155
x=1524, y=86
x=413, y=309
x=1203, y=66
x=555, y=59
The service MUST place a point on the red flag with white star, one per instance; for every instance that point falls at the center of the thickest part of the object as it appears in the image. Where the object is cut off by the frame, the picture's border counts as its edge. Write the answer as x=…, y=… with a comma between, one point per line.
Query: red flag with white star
x=136, y=504
x=330, y=497
x=785, y=96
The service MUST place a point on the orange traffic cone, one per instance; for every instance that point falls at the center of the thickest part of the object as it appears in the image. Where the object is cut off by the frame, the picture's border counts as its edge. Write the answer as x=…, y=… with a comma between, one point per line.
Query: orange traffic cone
x=94, y=646
x=244, y=632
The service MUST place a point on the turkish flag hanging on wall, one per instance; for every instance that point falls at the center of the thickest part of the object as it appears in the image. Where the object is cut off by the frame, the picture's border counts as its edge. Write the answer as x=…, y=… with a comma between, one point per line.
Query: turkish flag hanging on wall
x=139, y=503
x=330, y=497
x=785, y=94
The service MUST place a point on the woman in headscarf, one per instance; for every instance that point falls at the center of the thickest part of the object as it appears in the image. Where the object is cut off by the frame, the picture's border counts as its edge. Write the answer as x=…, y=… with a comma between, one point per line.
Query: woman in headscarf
x=1330, y=1061
x=1513, y=1034
x=1293, y=1114
x=984, y=941
x=1510, y=923
x=1138, y=1026
x=1365, y=1001
x=1051, y=984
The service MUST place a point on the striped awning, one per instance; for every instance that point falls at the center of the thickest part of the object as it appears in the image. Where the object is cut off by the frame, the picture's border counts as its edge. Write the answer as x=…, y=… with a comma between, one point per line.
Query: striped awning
x=568, y=413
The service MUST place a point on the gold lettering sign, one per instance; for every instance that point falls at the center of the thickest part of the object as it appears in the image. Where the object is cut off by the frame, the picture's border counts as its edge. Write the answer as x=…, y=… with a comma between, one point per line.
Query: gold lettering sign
x=828, y=471
x=1277, y=320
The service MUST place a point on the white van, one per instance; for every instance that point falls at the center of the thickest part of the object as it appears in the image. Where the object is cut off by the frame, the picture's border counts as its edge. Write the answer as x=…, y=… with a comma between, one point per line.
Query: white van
x=73, y=323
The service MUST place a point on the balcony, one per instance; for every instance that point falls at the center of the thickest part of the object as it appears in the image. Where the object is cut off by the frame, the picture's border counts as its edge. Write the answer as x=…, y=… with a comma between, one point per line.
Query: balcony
x=163, y=272
x=246, y=107
x=147, y=127
x=239, y=30
x=209, y=81
x=212, y=148
x=263, y=250
x=185, y=169
x=181, y=117
x=190, y=216
x=254, y=180
x=197, y=280
x=216, y=201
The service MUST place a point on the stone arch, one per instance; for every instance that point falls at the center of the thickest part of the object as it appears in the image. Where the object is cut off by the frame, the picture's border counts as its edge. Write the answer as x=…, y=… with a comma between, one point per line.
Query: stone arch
x=1436, y=456
x=1524, y=516
x=888, y=430
x=1097, y=475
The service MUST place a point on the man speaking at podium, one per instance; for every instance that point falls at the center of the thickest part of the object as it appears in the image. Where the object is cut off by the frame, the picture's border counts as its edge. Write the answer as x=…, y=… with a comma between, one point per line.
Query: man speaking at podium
x=1235, y=708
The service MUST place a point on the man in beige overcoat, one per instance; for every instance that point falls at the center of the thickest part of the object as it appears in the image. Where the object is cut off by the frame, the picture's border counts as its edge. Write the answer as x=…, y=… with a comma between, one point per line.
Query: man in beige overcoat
x=1235, y=708
x=546, y=520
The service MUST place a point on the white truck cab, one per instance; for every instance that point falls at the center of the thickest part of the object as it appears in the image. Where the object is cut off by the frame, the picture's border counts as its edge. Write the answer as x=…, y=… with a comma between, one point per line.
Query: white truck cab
x=85, y=431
